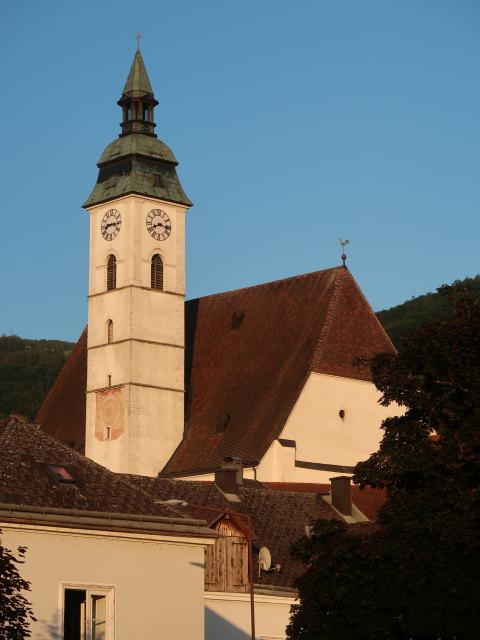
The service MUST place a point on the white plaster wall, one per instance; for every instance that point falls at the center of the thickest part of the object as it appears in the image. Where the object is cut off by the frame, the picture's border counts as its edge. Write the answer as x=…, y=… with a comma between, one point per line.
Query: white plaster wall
x=142, y=314
x=146, y=355
x=157, y=316
x=134, y=247
x=158, y=583
x=158, y=417
x=153, y=430
x=321, y=435
x=158, y=365
x=138, y=362
x=227, y=615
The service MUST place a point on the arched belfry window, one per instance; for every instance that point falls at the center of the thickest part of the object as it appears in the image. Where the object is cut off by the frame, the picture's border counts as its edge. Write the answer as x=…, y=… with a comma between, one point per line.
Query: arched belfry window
x=157, y=272
x=109, y=331
x=111, y=272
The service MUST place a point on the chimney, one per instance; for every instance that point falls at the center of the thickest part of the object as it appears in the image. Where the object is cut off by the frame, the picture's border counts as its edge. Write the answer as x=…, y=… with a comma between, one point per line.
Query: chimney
x=229, y=476
x=341, y=495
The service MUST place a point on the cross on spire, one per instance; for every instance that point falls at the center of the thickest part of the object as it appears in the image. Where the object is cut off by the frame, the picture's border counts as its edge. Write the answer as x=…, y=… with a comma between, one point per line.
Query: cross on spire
x=137, y=38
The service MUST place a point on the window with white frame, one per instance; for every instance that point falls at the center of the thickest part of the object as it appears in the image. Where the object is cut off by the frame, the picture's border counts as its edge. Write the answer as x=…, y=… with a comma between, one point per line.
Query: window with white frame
x=87, y=613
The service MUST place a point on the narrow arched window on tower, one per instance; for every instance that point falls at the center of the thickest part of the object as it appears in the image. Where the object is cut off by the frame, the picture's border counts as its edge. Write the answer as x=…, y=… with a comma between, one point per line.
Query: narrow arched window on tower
x=157, y=272
x=111, y=273
x=109, y=331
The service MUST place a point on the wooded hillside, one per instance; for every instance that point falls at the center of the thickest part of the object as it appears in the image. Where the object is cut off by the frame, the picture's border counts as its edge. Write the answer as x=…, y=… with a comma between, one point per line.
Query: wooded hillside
x=404, y=318
x=28, y=369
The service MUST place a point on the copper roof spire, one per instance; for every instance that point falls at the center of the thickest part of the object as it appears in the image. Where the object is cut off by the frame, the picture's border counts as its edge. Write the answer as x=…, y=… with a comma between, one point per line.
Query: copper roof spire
x=137, y=101
x=138, y=162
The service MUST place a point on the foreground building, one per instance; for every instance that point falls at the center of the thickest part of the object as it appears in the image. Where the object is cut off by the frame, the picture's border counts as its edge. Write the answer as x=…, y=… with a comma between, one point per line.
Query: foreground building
x=104, y=559
x=124, y=556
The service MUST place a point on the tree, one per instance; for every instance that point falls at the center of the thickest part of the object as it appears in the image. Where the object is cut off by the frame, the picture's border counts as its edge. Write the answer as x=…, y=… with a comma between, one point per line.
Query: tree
x=15, y=610
x=415, y=574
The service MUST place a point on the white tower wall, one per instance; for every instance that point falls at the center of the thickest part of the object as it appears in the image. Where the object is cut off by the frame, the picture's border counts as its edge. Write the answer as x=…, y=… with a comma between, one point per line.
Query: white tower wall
x=135, y=383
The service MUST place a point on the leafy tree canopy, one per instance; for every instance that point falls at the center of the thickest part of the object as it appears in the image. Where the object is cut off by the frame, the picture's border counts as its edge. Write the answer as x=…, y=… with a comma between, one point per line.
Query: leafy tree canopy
x=15, y=610
x=415, y=574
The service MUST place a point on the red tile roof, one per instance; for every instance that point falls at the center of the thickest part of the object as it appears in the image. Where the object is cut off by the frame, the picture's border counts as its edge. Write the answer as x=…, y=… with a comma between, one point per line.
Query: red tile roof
x=245, y=379
x=368, y=500
x=25, y=479
x=278, y=519
x=63, y=411
x=319, y=322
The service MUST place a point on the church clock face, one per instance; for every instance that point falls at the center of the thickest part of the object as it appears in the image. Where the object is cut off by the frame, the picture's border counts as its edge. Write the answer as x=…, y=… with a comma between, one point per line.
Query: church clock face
x=111, y=223
x=158, y=224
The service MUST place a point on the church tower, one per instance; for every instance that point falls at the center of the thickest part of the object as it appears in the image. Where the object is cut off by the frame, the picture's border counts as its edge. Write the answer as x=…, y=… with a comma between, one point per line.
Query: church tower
x=135, y=370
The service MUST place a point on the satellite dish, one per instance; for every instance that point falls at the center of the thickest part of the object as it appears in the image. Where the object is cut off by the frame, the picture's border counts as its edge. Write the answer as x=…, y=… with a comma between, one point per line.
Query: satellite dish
x=264, y=560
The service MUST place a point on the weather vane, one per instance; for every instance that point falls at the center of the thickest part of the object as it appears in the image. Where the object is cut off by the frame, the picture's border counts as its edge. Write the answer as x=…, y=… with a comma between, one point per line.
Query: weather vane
x=344, y=244
x=137, y=38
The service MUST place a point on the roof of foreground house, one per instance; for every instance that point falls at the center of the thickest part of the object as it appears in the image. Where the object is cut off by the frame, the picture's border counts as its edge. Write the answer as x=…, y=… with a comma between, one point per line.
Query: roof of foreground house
x=27, y=453
x=278, y=518
x=249, y=353
x=367, y=499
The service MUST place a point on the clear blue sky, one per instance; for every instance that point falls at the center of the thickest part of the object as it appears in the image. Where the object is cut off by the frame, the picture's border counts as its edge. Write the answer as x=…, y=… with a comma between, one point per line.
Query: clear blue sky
x=295, y=124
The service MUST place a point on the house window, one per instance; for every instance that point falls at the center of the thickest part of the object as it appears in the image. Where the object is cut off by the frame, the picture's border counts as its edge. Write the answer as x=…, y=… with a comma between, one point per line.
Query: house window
x=87, y=613
x=109, y=331
x=157, y=272
x=111, y=273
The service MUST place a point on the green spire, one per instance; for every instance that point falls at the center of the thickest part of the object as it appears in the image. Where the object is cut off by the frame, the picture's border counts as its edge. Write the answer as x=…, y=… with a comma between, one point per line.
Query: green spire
x=138, y=162
x=137, y=101
x=137, y=83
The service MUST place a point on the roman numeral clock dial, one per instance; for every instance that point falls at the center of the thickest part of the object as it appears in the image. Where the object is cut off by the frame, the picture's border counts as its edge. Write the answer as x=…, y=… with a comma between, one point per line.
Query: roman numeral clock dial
x=158, y=224
x=111, y=223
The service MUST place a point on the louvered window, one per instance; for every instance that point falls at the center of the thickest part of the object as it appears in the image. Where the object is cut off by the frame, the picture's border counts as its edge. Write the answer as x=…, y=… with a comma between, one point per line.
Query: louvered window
x=157, y=272
x=111, y=273
x=109, y=331
x=158, y=181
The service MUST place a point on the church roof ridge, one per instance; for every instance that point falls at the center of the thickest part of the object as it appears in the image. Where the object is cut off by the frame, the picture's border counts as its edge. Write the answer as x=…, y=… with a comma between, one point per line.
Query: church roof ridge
x=373, y=314
x=329, y=319
x=272, y=283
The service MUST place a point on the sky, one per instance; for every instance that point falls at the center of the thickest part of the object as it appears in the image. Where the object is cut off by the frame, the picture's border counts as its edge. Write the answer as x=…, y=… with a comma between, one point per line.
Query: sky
x=296, y=124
